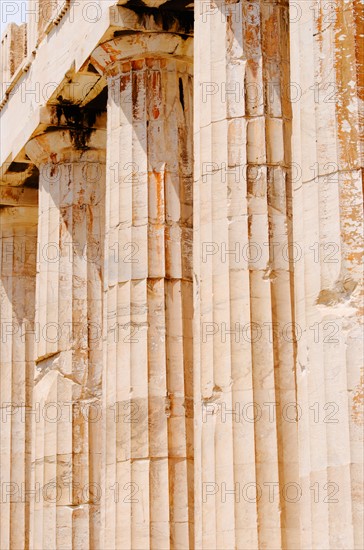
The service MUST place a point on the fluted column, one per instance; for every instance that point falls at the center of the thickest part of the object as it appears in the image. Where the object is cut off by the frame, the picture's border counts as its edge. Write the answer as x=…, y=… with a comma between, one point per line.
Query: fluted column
x=148, y=433
x=245, y=344
x=18, y=234
x=68, y=376
x=326, y=69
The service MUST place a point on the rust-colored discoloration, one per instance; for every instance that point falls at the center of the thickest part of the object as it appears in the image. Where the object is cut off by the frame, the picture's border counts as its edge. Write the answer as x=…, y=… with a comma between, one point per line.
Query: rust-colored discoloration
x=90, y=218
x=359, y=48
x=125, y=80
x=358, y=402
x=271, y=32
x=151, y=62
x=125, y=67
x=347, y=123
x=138, y=94
x=154, y=102
x=97, y=65
x=14, y=47
x=252, y=43
x=230, y=36
x=12, y=193
x=155, y=112
x=53, y=157
x=158, y=179
x=137, y=64
x=113, y=53
x=318, y=32
x=345, y=69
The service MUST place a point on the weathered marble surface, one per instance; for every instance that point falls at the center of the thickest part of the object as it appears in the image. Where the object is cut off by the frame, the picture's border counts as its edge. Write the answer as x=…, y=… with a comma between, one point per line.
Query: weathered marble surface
x=181, y=289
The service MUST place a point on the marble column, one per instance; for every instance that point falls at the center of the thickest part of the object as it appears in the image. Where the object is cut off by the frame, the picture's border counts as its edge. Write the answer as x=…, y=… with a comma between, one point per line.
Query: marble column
x=18, y=237
x=326, y=70
x=244, y=351
x=148, y=434
x=66, y=440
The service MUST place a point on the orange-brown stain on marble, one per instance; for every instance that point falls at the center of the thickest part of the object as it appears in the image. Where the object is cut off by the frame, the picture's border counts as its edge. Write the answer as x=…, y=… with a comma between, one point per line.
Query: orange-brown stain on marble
x=252, y=44
x=271, y=34
x=137, y=64
x=158, y=177
x=358, y=402
x=155, y=93
x=359, y=46
x=345, y=69
x=230, y=35
x=54, y=162
x=12, y=193
x=138, y=94
x=318, y=28
x=124, y=82
x=347, y=132
x=90, y=218
x=125, y=67
x=113, y=53
x=97, y=65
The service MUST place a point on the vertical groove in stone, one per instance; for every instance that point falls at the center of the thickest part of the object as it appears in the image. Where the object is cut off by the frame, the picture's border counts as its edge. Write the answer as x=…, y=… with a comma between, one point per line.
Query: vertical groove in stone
x=332, y=273
x=278, y=119
x=157, y=413
x=18, y=236
x=263, y=360
x=208, y=515
x=237, y=111
x=197, y=267
x=241, y=356
x=310, y=388
x=177, y=96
